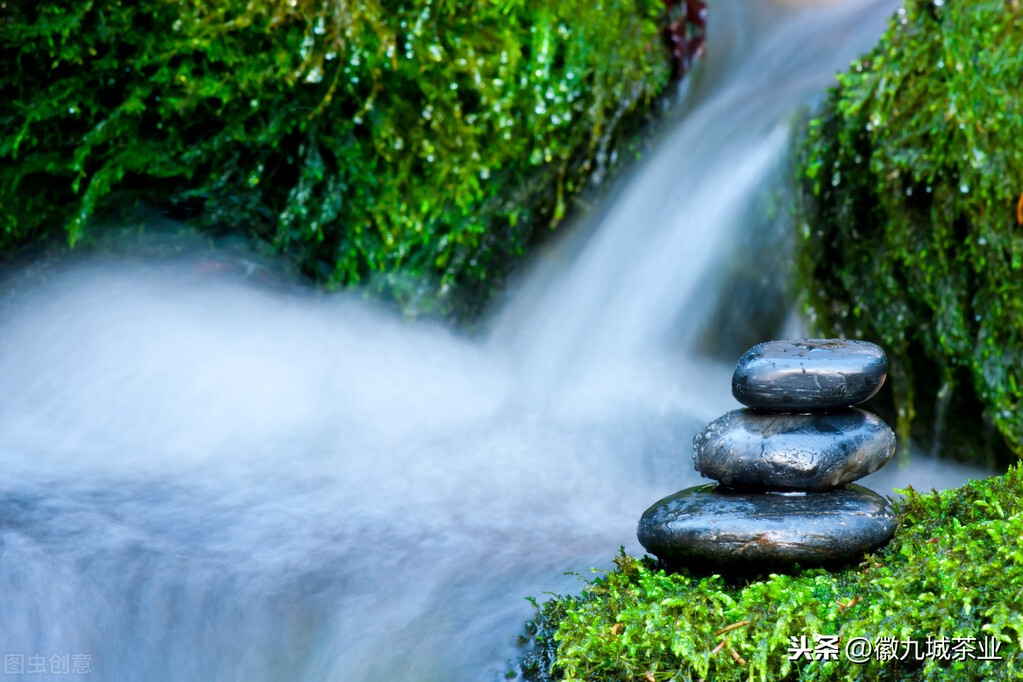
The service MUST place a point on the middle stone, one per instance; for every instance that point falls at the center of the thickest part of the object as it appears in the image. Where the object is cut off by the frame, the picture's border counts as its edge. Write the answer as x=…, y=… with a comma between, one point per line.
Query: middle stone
x=750, y=449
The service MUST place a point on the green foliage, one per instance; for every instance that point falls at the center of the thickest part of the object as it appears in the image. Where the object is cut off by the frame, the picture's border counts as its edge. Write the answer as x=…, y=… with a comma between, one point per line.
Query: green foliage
x=911, y=180
x=953, y=569
x=424, y=137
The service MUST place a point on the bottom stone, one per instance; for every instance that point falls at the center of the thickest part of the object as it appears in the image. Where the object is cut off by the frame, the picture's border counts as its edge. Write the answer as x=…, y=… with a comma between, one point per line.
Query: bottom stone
x=714, y=525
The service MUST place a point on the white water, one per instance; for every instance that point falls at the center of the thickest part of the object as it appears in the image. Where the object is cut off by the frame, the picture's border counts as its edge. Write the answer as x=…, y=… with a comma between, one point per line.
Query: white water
x=209, y=478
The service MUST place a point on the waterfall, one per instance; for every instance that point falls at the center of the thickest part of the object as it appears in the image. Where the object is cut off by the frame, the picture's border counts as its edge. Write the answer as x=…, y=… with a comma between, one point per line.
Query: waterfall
x=211, y=477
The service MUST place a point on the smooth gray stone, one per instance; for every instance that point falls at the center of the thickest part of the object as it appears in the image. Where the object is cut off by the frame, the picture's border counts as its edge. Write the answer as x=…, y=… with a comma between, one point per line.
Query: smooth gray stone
x=712, y=526
x=809, y=374
x=816, y=451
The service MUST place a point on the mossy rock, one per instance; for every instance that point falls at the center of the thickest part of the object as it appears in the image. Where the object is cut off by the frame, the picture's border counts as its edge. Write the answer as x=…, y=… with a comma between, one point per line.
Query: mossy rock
x=421, y=139
x=953, y=571
x=911, y=220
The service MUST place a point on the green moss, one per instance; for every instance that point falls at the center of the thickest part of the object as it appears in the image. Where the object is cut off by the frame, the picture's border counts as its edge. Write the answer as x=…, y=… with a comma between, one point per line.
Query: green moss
x=954, y=569
x=911, y=181
x=423, y=138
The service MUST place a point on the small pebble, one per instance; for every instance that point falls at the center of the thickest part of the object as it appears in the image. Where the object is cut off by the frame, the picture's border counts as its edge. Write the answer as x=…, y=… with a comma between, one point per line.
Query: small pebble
x=750, y=449
x=809, y=374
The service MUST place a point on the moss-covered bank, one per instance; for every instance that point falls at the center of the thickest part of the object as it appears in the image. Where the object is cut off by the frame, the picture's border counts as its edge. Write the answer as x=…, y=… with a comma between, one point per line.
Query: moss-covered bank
x=953, y=570
x=911, y=218
x=423, y=138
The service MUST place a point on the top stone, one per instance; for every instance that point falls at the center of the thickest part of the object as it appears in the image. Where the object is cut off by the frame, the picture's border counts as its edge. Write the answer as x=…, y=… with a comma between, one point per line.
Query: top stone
x=804, y=375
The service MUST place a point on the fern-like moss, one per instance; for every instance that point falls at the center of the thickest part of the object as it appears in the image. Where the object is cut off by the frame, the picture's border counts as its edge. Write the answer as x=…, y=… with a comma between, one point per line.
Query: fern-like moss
x=953, y=570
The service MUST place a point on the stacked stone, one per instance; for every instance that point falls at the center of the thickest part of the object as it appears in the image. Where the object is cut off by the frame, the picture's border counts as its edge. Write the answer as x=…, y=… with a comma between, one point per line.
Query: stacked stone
x=784, y=465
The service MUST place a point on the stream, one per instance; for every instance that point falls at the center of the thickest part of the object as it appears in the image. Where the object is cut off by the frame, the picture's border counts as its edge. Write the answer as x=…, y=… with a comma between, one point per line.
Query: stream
x=212, y=475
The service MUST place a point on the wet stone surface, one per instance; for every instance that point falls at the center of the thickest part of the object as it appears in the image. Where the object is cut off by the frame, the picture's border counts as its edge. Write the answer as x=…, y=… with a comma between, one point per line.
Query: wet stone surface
x=809, y=374
x=761, y=450
x=714, y=527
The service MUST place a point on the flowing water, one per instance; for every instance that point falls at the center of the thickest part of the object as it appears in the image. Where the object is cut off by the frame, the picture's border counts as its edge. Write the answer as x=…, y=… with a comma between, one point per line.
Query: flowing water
x=208, y=476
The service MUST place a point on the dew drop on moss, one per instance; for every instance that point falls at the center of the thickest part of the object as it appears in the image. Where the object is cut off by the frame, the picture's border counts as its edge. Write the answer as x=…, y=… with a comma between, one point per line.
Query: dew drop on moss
x=315, y=75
